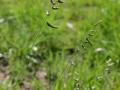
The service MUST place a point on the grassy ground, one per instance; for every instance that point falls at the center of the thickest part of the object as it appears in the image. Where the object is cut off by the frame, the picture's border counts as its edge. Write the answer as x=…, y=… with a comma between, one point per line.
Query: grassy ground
x=35, y=56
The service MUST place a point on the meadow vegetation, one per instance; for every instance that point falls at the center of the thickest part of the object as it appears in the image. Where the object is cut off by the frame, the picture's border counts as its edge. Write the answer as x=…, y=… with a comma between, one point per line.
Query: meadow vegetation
x=74, y=47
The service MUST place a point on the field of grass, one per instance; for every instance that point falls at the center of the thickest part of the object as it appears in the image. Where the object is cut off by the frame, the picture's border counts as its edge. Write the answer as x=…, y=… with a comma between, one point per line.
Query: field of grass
x=74, y=47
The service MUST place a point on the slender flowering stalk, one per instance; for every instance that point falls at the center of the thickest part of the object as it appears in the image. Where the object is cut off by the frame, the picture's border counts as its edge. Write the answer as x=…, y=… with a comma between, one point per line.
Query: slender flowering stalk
x=54, y=7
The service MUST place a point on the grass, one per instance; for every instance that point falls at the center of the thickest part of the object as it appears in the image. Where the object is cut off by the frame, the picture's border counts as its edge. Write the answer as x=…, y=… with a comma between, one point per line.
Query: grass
x=43, y=58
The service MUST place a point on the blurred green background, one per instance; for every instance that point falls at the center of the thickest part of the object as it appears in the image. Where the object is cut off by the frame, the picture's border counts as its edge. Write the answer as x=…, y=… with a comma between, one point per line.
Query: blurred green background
x=83, y=53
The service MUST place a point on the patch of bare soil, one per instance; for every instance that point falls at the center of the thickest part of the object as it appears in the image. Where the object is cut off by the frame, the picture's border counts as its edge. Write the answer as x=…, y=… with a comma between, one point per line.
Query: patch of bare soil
x=26, y=85
x=41, y=75
x=4, y=73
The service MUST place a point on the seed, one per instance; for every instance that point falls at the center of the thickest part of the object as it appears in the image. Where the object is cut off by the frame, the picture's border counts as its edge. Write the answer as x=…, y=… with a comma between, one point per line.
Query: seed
x=88, y=41
x=60, y=1
x=47, y=13
x=51, y=25
x=55, y=8
x=53, y=2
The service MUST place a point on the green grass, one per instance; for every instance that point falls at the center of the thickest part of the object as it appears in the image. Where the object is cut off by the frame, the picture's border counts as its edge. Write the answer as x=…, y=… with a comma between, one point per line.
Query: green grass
x=24, y=29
